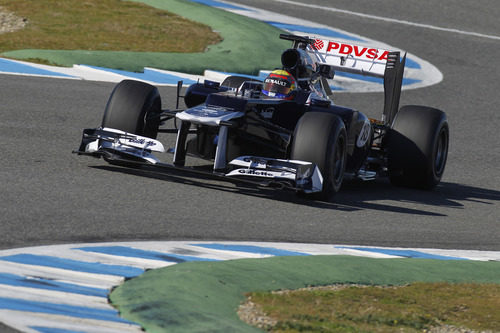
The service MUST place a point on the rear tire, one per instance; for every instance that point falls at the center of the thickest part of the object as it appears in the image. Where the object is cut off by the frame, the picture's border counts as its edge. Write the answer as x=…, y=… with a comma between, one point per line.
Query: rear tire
x=321, y=138
x=134, y=107
x=417, y=146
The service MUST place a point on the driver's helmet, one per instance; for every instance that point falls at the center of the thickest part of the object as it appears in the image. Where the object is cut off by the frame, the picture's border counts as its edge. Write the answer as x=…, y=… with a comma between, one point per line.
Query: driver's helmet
x=279, y=84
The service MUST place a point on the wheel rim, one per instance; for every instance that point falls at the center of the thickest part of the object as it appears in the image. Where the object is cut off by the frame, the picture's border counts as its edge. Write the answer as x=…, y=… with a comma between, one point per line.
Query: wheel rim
x=441, y=152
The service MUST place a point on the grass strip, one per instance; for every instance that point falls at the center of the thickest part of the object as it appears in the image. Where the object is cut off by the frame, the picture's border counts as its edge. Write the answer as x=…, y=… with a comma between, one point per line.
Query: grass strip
x=105, y=25
x=414, y=308
x=204, y=296
x=248, y=45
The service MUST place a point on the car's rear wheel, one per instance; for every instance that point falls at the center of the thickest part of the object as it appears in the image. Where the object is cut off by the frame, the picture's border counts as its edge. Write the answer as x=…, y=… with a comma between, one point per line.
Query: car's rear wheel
x=321, y=138
x=417, y=147
x=134, y=107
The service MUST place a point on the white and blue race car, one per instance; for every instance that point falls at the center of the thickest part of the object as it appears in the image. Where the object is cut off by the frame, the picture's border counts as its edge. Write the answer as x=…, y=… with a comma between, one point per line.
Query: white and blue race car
x=284, y=132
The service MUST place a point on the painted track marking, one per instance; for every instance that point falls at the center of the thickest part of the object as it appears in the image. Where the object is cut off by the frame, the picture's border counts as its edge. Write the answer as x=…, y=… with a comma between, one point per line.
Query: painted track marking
x=64, y=288
x=418, y=73
x=391, y=20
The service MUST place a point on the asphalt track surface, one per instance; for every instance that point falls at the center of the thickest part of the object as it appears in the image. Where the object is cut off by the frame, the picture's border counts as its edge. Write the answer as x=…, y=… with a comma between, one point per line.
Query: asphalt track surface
x=50, y=196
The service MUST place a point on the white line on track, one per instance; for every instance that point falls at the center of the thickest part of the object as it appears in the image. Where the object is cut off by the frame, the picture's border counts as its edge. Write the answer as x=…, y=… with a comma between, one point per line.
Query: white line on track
x=388, y=19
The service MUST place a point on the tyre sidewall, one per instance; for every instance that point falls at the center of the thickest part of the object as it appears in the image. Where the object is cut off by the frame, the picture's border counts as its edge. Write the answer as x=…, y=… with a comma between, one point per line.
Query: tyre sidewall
x=132, y=107
x=412, y=144
x=315, y=140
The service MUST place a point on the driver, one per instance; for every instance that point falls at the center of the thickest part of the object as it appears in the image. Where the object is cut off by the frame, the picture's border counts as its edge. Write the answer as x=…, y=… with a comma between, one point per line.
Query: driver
x=280, y=84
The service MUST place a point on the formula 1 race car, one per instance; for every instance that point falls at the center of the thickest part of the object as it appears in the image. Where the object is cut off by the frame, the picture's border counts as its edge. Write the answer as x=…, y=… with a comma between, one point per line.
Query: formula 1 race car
x=284, y=131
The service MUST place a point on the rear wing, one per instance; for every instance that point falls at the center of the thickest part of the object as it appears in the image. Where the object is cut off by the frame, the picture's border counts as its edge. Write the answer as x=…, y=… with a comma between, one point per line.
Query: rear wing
x=357, y=59
x=349, y=58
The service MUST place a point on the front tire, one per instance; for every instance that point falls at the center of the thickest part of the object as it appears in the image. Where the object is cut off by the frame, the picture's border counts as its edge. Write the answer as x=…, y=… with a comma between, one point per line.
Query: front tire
x=134, y=107
x=417, y=146
x=321, y=138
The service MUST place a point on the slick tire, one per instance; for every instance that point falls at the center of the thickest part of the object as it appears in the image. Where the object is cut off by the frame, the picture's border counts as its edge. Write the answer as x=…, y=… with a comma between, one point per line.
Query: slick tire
x=417, y=147
x=134, y=107
x=321, y=138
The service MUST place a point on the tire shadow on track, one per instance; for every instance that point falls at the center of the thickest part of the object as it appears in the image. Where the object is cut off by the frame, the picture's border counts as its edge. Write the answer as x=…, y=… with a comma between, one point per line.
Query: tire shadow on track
x=354, y=195
x=444, y=195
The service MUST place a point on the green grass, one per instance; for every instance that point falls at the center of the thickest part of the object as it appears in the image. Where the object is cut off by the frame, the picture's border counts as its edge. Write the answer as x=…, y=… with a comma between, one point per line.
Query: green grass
x=143, y=35
x=205, y=296
x=105, y=25
x=412, y=308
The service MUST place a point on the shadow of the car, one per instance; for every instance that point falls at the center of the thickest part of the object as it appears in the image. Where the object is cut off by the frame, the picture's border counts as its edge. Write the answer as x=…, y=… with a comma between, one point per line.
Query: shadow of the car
x=355, y=195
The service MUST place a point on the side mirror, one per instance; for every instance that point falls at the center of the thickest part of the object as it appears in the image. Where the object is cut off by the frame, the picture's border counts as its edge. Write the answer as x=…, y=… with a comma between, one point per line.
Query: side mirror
x=326, y=71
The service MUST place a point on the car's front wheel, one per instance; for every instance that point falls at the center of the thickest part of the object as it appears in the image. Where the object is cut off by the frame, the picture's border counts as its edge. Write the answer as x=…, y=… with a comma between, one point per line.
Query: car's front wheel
x=134, y=107
x=321, y=138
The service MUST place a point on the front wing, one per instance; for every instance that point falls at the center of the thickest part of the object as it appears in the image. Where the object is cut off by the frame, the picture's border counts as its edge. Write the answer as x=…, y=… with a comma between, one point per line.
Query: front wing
x=130, y=149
